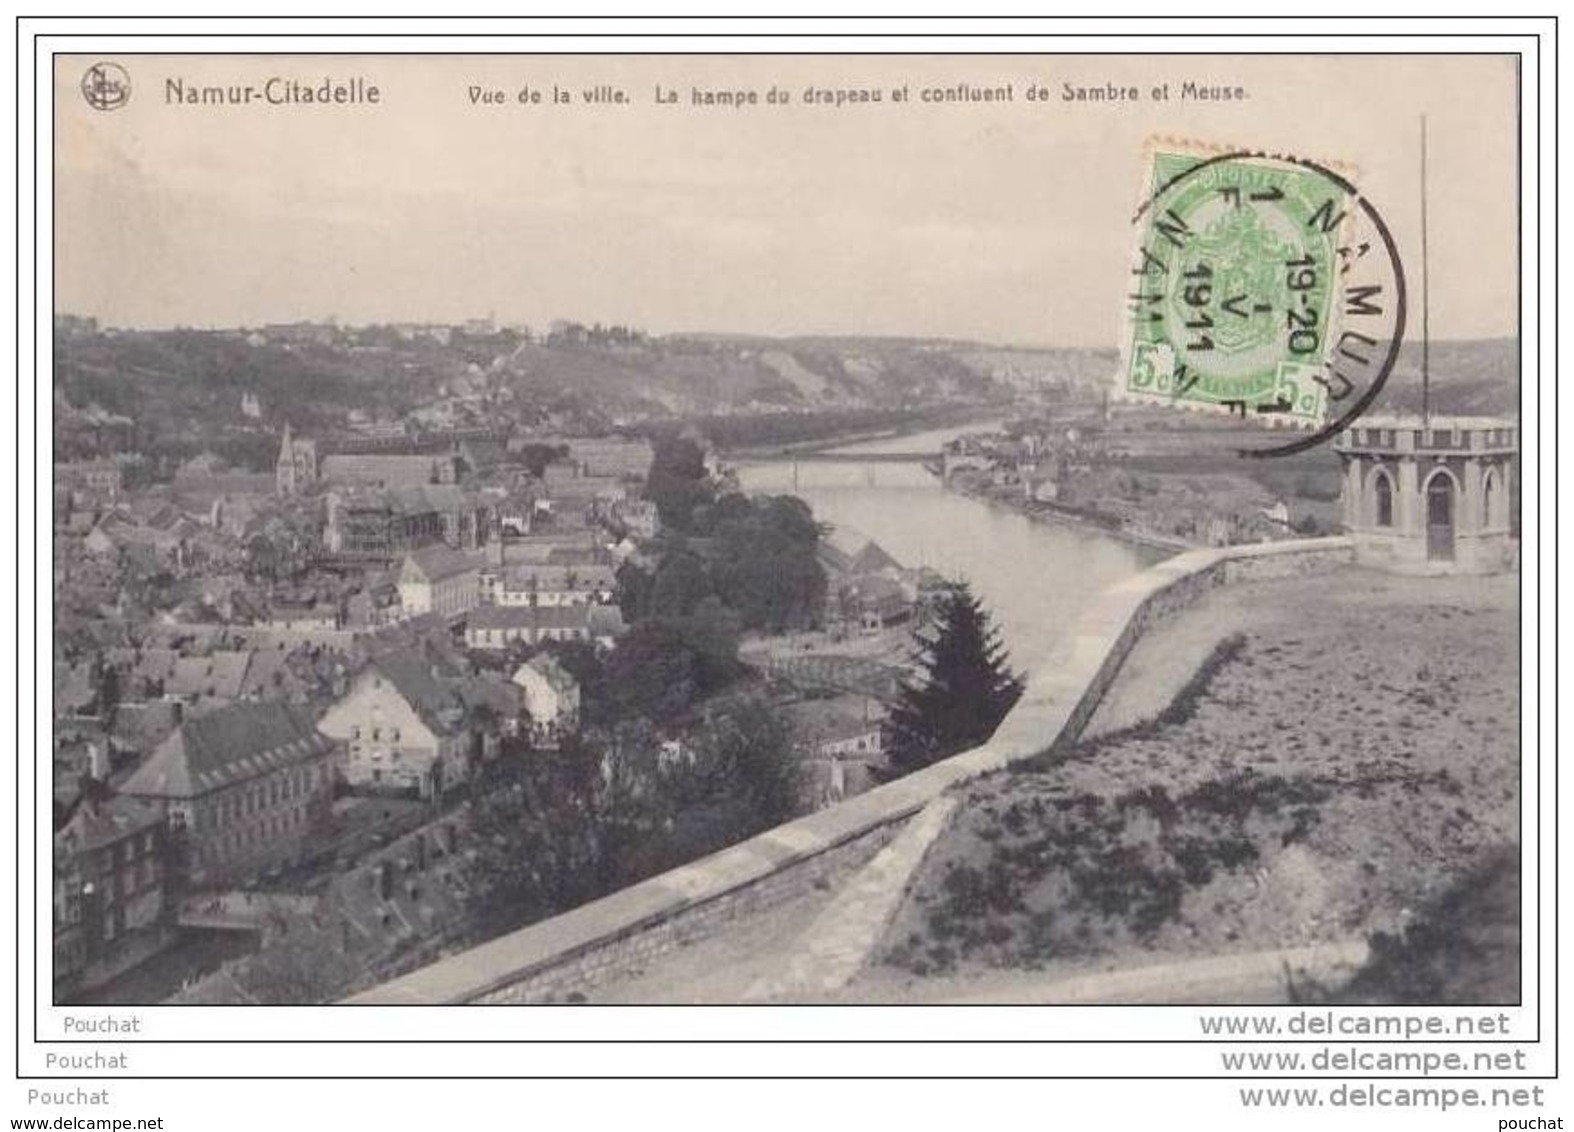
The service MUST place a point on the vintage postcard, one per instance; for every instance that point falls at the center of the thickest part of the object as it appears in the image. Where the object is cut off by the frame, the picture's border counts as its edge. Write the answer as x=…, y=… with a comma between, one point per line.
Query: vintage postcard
x=820, y=529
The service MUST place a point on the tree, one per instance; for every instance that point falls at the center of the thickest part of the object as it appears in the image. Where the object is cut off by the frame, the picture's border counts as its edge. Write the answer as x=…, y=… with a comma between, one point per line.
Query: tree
x=754, y=750
x=965, y=690
x=679, y=585
x=536, y=457
x=766, y=561
x=652, y=672
x=678, y=484
x=584, y=662
x=711, y=633
x=536, y=849
x=633, y=591
x=664, y=664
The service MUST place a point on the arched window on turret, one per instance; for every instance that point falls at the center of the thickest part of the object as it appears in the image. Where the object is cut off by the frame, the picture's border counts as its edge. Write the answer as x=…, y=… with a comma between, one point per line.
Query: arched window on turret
x=1383, y=496
x=1491, y=500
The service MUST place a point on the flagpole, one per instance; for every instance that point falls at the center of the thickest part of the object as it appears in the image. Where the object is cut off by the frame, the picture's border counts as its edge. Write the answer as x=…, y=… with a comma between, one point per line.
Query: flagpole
x=1426, y=297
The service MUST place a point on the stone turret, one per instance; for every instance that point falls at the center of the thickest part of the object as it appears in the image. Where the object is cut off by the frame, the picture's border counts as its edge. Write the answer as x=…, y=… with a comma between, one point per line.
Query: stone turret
x=1429, y=496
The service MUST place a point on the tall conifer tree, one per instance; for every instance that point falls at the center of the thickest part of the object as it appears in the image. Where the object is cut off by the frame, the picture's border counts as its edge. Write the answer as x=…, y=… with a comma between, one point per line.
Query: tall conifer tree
x=964, y=692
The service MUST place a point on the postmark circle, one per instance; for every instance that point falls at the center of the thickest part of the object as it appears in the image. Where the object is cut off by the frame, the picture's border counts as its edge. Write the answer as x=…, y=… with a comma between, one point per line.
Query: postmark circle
x=1266, y=285
x=106, y=86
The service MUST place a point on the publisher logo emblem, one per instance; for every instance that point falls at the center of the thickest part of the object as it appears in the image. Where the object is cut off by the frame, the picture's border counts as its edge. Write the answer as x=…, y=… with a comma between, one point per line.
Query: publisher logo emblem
x=106, y=86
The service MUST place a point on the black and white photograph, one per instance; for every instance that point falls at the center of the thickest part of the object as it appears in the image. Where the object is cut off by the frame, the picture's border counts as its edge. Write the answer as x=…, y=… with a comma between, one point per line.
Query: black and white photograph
x=868, y=552
x=703, y=531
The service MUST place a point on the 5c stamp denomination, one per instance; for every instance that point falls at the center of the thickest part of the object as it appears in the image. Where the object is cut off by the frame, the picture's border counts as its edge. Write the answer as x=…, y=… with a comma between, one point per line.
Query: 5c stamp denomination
x=1264, y=286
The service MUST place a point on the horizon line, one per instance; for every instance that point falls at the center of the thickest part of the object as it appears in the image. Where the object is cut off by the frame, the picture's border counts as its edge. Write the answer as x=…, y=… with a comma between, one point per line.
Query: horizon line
x=500, y=325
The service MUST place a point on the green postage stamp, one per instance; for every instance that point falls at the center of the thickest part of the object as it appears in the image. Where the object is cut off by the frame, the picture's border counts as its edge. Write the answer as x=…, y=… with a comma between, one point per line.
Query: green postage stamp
x=1233, y=290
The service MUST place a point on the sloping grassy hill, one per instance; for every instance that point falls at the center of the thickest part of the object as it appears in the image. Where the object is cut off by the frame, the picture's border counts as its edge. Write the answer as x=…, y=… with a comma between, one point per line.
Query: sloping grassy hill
x=183, y=388
x=1468, y=378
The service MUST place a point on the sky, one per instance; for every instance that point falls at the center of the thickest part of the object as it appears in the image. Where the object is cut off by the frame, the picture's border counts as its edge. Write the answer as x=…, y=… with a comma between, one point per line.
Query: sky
x=1005, y=222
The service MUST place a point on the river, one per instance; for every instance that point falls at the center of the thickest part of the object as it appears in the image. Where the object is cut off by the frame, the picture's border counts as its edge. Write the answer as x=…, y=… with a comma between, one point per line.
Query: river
x=1034, y=577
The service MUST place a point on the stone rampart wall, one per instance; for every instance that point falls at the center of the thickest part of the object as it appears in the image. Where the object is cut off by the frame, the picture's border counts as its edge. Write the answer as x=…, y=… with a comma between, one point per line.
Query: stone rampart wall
x=568, y=954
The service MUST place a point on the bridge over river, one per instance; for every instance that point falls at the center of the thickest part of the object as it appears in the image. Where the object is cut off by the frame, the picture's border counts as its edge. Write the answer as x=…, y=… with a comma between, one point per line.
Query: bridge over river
x=935, y=463
x=833, y=457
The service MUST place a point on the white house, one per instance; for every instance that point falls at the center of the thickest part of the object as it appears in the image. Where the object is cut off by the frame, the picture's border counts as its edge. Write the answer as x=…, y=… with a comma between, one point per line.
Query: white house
x=1279, y=513
x=550, y=699
x=499, y=626
x=436, y=579
x=402, y=727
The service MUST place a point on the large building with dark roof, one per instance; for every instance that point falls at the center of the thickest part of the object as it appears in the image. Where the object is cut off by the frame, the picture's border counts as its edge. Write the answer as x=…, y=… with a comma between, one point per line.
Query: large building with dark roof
x=410, y=723
x=383, y=461
x=381, y=525
x=243, y=788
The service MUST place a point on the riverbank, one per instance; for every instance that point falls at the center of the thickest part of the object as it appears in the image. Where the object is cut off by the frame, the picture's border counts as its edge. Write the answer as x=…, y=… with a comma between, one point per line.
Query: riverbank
x=1034, y=577
x=956, y=419
x=1011, y=500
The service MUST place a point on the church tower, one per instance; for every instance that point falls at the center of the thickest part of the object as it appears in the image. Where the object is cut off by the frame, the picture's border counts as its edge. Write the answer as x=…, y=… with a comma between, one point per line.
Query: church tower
x=297, y=464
